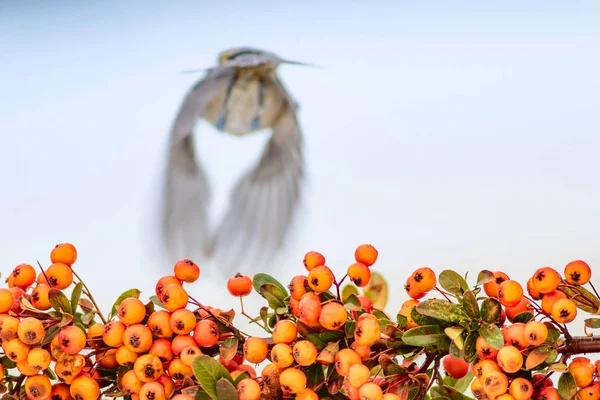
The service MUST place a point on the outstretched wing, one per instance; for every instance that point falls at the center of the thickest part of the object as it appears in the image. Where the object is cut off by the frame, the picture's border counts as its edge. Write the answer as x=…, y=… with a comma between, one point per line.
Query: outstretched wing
x=186, y=192
x=263, y=202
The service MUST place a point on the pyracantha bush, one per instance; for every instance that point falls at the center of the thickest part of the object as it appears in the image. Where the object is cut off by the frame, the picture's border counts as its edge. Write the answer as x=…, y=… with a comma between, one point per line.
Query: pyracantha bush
x=324, y=338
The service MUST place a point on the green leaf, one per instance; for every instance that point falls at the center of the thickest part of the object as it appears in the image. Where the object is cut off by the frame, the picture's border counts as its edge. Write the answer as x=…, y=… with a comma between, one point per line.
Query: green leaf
x=208, y=371
x=470, y=349
x=377, y=290
x=553, y=333
x=423, y=320
x=455, y=351
x=260, y=279
x=228, y=348
x=241, y=377
x=455, y=334
x=59, y=301
x=567, y=388
x=593, y=323
x=7, y=362
x=490, y=310
x=536, y=357
x=50, y=333
x=156, y=301
x=425, y=336
x=321, y=340
x=274, y=295
x=128, y=293
x=453, y=282
x=485, y=276
x=492, y=335
x=314, y=375
x=225, y=390
x=444, y=310
x=523, y=317
x=88, y=317
x=469, y=302
x=349, y=328
x=402, y=321
x=460, y=385
x=202, y=395
x=352, y=303
x=575, y=294
x=76, y=295
x=347, y=290
x=558, y=367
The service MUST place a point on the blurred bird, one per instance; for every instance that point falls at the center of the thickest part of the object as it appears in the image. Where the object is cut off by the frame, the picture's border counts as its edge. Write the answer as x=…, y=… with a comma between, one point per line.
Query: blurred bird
x=240, y=96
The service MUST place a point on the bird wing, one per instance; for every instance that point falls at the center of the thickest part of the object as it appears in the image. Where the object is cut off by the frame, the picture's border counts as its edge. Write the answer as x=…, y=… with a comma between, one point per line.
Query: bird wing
x=186, y=191
x=263, y=201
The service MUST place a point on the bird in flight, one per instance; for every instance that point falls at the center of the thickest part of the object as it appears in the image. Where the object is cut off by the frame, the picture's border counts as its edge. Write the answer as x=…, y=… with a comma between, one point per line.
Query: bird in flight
x=241, y=95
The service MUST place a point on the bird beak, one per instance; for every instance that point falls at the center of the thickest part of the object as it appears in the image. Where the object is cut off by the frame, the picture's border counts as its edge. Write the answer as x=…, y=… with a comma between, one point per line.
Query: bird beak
x=303, y=64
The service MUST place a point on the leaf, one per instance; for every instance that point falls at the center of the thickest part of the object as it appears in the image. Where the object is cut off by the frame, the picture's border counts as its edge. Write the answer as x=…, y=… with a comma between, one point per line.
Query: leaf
x=321, y=340
x=86, y=305
x=259, y=279
x=423, y=320
x=567, y=388
x=553, y=333
x=558, y=367
x=208, y=371
x=347, y=290
x=349, y=328
x=442, y=309
x=128, y=293
x=490, y=310
x=593, y=323
x=274, y=295
x=425, y=336
x=225, y=390
x=314, y=375
x=59, y=301
x=156, y=301
x=402, y=321
x=536, y=357
x=469, y=348
x=523, y=317
x=88, y=317
x=492, y=335
x=485, y=276
x=76, y=295
x=377, y=290
x=575, y=293
x=240, y=377
x=453, y=282
x=352, y=303
x=228, y=348
x=469, y=302
x=455, y=334
x=50, y=333
x=460, y=384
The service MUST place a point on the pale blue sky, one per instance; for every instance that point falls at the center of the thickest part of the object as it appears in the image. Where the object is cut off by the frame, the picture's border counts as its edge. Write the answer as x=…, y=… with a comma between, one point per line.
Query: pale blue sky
x=448, y=134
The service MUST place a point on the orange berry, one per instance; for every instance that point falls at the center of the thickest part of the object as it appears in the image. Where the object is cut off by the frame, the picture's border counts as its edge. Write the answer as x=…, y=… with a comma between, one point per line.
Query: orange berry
x=164, y=282
x=293, y=380
x=64, y=253
x=333, y=316
x=510, y=293
x=366, y=303
x=358, y=375
x=536, y=333
x=515, y=335
x=180, y=342
x=187, y=271
x=125, y=356
x=17, y=293
x=564, y=311
x=457, y=368
x=582, y=370
x=370, y=391
x=85, y=388
x=484, y=350
x=24, y=275
x=108, y=359
x=366, y=254
x=367, y=331
x=30, y=330
x=294, y=307
x=424, y=279
x=152, y=391
x=9, y=328
x=485, y=367
x=239, y=285
x=344, y=359
x=174, y=297
x=550, y=299
x=307, y=394
x=6, y=300
x=495, y=384
x=168, y=385
x=113, y=333
x=130, y=382
x=61, y=391
x=591, y=392
x=178, y=370
x=285, y=332
x=148, y=368
x=359, y=274
x=549, y=393
x=39, y=359
x=533, y=293
x=182, y=321
x=411, y=290
x=270, y=375
x=491, y=287
x=309, y=309
x=545, y=280
x=39, y=297
x=71, y=339
x=162, y=349
x=159, y=324
x=41, y=278
x=282, y=355
x=206, y=333
x=510, y=359
x=477, y=389
x=521, y=389
x=38, y=387
x=59, y=276
x=255, y=349
x=320, y=279
x=578, y=272
x=182, y=396
x=189, y=354
x=296, y=286
x=305, y=353
x=131, y=311
x=523, y=306
x=248, y=389
x=137, y=338
x=26, y=369
x=363, y=351
x=313, y=259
